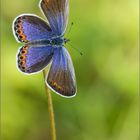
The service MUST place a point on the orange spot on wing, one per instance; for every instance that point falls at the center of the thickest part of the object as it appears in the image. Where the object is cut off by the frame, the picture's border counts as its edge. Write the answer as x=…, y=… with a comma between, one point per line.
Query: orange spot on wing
x=19, y=30
x=22, y=58
x=56, y=85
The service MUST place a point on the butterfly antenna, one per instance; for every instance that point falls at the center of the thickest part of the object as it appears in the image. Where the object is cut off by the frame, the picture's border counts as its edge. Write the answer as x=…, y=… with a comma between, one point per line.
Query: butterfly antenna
x=69, y=29
x=75, y=49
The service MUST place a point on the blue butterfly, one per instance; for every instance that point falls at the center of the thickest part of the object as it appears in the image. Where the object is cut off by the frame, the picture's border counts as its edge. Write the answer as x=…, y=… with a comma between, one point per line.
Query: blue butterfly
x=44, y=42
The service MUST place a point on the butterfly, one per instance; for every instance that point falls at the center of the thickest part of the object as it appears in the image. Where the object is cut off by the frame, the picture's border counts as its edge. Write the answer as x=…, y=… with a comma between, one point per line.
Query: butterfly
x=43, y=42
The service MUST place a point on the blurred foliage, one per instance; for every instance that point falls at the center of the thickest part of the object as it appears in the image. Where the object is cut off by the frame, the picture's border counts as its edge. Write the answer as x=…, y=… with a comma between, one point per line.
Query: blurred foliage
x=106, y=105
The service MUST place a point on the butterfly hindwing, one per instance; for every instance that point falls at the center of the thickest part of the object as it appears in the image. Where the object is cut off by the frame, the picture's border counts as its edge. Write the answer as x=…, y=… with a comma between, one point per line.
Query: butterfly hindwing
x=61, y=77
x=33, y=59
x=28, y=28
x=56, y=12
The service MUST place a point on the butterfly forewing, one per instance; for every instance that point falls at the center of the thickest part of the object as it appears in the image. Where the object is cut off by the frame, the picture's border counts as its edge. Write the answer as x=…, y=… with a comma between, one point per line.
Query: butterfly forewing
x=61, y=77
x=28, y=28
x=56, y=12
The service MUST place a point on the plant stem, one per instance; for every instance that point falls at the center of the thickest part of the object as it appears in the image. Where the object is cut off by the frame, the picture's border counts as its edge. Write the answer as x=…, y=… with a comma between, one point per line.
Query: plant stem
x=50, y=110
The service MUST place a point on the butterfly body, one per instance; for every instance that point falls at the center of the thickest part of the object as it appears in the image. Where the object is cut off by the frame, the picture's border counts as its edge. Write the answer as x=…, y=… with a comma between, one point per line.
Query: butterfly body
x=54, y=42
x=44, y=43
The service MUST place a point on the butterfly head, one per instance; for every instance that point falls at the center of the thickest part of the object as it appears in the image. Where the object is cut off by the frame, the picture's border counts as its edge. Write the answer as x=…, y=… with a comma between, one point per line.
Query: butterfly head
x=59, y=41
x=66, y=40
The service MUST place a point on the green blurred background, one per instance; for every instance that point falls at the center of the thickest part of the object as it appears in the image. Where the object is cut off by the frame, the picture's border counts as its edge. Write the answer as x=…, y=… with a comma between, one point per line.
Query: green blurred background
x=106, y=105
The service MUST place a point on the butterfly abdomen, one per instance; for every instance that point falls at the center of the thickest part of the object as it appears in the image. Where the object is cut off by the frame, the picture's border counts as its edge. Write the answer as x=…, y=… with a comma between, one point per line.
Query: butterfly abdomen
x=51, y=42
x=40, y=42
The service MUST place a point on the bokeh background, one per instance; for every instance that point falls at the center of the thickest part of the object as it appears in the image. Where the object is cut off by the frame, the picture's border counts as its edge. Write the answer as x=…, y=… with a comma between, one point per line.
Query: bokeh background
x=106, y=105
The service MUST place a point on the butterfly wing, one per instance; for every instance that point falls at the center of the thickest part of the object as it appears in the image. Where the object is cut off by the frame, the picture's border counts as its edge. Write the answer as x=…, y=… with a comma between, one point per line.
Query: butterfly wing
x=33, y=59
x=28, y=28
x=61, y=77
x=56, y=12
